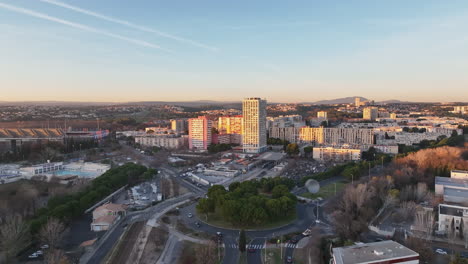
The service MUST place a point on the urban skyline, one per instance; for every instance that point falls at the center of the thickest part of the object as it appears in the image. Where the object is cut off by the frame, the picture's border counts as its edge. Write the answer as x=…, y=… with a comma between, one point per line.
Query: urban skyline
x=159, y=52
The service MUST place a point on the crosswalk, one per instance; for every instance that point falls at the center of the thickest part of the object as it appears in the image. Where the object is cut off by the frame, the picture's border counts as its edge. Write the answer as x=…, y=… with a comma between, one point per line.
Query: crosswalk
x=262, y=246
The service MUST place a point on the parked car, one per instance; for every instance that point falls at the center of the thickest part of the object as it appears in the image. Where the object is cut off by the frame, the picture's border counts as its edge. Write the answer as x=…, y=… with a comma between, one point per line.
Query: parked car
x=39, y=252
x=289, y=259
x=251, y=249
x=441, y=251
x=33, y=255
x=190, y=215
x=45, y=246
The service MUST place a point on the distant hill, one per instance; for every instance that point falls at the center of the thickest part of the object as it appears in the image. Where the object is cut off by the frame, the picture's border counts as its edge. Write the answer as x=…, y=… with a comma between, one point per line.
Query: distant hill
x=344, y=100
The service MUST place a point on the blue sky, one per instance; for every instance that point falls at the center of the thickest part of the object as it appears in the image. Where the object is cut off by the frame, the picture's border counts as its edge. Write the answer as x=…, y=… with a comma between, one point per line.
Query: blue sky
x=288, y=51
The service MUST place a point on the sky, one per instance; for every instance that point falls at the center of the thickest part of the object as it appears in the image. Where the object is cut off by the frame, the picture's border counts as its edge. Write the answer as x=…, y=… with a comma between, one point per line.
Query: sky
x=284, y=51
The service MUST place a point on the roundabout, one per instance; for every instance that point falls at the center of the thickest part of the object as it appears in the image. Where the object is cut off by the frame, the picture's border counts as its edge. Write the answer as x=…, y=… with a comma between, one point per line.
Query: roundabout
x=305, y=218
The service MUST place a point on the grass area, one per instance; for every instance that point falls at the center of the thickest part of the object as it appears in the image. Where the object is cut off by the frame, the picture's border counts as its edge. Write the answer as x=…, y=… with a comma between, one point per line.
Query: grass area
x=273, y=256
x=326, y=191
x=199, y=254
x=216, y=219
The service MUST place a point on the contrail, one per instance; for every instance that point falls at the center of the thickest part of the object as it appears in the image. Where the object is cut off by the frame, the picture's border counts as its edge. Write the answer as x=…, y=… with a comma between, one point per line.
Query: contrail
x=80, y=26
x=128, y=24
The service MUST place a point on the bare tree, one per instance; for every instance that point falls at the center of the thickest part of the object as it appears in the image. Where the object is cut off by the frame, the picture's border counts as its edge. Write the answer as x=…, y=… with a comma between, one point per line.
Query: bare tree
x=176, y=188
x=424, y=222
x=52, y=232
x=56, y=256
x=206, y=254
x=14, y=235
x=407, y=210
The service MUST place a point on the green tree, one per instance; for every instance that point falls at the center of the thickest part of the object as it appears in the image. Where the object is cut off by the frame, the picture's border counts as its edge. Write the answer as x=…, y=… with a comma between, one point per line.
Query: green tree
x=205, y=206
x=242, y=241
x=279, y=190
x=292, y=149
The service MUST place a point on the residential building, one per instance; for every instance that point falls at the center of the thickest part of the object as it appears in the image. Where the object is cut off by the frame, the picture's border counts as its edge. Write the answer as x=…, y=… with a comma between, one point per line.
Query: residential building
x=452, y=217
x=459, y=174
x=370, y=113
x=290, y=134
x=463, y=109
x=314, y=135
x=322, y=114
x=221, y=138
x=393, y=116
x=336, y=136
x=199, y=133
x=162, y=141
x=106, y=215
x=179, y=125
x=336, y=154
x=357, y=102
x=375, y=253
x=285, y=121
x=230, y=124
x=254, y=138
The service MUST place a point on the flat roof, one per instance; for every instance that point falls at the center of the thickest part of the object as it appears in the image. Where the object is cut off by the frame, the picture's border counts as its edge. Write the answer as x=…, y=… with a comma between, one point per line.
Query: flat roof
x=454, y=182
x=377, y=251
x=271, y=156
x=456, y=192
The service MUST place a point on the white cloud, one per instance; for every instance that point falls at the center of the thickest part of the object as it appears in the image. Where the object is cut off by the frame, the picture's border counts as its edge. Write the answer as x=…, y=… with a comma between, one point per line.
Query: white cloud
x=80, y=26
x=129, y=24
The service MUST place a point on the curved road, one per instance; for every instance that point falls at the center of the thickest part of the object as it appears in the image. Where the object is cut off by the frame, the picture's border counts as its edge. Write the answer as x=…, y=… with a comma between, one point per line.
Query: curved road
x=305, y=218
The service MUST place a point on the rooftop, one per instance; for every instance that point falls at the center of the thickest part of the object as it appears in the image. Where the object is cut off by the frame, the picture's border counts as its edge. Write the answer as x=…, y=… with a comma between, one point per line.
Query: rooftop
x=271, y=156
x=112, y=207
x=454, y=182
x=462, y=193
x=377, y=251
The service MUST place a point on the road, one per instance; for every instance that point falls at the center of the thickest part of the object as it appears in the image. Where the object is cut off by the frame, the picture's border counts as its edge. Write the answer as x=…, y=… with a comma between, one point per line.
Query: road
x=110, y=239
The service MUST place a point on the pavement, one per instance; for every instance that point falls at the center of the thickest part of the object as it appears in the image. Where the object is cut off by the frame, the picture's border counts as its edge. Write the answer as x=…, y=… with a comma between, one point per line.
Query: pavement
x=108, y=241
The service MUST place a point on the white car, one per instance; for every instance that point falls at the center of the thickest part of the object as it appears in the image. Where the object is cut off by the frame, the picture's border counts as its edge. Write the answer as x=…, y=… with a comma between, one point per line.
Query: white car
x=33, y=255
x=45, y=246
x=441, y=251
x=39, y=252
x=190, y=215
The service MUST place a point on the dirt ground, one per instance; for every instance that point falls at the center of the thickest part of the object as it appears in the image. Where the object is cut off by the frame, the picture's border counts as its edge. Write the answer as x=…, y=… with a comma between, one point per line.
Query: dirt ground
x=125, y=247
x=156, y=241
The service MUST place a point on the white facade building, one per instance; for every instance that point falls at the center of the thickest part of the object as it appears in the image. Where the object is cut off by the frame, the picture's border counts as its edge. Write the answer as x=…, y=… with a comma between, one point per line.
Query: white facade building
x=336, y=154
x=375, y=253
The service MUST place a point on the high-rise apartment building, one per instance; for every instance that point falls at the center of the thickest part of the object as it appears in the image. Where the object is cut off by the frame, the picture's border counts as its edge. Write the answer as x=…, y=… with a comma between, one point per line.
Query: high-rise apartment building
x=370, y=113
x=254, y=138
x=357, y=102
x=199, y=133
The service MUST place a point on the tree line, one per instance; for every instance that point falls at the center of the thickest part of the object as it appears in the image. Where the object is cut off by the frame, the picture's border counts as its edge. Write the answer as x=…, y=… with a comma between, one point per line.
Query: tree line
x=250, y=202
x=66, y=207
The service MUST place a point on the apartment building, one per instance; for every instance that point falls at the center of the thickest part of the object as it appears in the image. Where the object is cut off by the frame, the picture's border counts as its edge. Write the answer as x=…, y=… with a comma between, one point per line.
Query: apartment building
x=254, y=138
x=370, y=113
x=199, y=133
x=336, y=154
x=162, y=141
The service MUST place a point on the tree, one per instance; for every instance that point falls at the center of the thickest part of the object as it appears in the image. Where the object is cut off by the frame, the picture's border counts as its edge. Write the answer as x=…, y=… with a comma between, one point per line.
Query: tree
x=242, y=241
x=205, y=206
x=56, y=256
x=292, y=149
x=279, y=191
x=206, y=254
x=308, y=150
x=14, y=235
x=52, y=232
